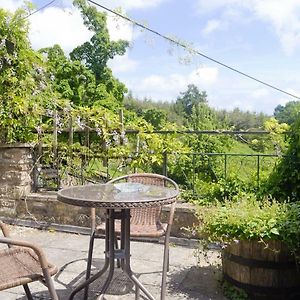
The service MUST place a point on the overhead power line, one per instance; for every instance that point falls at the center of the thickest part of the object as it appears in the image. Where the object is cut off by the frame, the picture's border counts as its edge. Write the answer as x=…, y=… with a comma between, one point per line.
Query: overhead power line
x=39, y=9
x=178, y=43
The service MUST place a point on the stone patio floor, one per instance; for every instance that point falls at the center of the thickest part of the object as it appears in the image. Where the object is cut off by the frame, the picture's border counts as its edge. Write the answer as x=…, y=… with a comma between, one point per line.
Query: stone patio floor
x=186, y=279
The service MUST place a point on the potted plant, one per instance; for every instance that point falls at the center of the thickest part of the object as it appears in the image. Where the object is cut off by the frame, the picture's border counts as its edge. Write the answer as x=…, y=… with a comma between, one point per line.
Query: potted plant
x=260, y=243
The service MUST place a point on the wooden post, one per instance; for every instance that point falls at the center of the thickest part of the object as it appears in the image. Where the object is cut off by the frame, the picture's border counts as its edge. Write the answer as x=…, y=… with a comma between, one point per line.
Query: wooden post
x=121, y=118
x=71, y=133
x=54, y=145
x=54, y=148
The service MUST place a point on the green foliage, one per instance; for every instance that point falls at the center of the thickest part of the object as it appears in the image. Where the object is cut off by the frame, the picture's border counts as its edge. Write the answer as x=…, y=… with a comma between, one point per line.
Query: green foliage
x=240, y=120
x=287, y=113
x=225, y=188
x=72, y=80
x=23, y=84
x=246, y=218
x=284, y=182
x=96, y=53
x=155, y=117
x=242, y=219
x=189, y=99
x=233, y=293
x=139, y=106
x=273, y=142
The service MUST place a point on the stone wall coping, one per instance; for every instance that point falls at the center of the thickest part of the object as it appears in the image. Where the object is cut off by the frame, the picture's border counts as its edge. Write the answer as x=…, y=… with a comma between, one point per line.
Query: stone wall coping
x=17, y=145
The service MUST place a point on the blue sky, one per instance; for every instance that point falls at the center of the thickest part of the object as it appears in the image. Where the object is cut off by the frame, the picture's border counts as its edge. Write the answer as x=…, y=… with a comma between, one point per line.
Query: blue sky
x=258, y=37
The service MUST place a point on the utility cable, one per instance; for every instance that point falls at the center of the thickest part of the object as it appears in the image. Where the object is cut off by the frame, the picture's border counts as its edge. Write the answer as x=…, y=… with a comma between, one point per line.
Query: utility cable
x=39, y=9
x=178, y=43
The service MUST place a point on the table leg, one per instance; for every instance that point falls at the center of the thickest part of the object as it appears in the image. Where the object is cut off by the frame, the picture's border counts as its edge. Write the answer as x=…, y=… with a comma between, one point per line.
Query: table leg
x=126, y=266
x=86, y=283
x=111, y=252
x=110, y=256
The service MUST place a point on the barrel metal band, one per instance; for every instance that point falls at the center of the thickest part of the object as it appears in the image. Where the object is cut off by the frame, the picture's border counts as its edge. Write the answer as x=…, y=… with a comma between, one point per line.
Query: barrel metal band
x=268, y=290
x=280, y=265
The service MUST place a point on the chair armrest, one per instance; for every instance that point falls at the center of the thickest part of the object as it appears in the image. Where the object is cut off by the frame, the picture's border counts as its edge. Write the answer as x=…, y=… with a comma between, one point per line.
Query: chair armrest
x=4, y=229
x=40, y=254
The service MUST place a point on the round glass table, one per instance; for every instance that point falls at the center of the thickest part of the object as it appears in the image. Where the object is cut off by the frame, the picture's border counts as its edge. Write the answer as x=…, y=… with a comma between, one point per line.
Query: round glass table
x=117, y=199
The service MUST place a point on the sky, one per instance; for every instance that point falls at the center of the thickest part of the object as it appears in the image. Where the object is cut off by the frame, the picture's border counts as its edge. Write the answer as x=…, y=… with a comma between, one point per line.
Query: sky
x=258, y=37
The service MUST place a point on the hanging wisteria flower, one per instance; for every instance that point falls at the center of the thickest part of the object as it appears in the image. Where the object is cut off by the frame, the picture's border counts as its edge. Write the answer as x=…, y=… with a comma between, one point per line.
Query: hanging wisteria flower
x=67, y=109
x=39, y=70
x=39, y=129
x=128, y=160
x=116, y=137
x=49, y=112
x=98, y=131
x=123, y=137
x=122, y=134
x=58, y=123
x=107, y=144
x=79, y=122
x=144, y=145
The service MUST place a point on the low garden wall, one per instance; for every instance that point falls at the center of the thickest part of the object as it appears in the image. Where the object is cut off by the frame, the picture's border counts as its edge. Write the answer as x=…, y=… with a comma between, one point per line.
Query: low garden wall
x=18, y=205
x=43, y=210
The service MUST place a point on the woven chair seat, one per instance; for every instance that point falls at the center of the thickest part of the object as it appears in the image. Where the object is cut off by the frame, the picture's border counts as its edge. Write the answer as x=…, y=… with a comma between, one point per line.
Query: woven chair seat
x=20, y=266
x=138, y=230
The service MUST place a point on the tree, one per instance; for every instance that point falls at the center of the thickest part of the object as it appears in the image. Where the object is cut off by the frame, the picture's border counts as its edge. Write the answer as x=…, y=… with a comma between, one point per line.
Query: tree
x=189, y=99
x=95, y=54
x=156, y=117
x=243, y=120
x=284, y=182
x=288, y=113
x=72, y=80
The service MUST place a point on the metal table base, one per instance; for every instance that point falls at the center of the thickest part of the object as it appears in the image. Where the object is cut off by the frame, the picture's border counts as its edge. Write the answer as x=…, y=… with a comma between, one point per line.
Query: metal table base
x=111, y=254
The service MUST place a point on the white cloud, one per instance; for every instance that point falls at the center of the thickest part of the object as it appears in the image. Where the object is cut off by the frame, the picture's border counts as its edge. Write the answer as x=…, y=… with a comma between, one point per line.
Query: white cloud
x=283, y=16
x=119, y=28
x=159, y=87
x=121, y=64
x=132, y=4
x=11, y=5
x=58, y=26
x=204, y=76
x=211, y=26
x=260, y=93
x=64, y=26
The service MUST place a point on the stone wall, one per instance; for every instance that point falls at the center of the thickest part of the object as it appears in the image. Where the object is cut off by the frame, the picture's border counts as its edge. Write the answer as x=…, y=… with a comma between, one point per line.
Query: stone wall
x=44, y=211
x=16, y=164
x=17, y=203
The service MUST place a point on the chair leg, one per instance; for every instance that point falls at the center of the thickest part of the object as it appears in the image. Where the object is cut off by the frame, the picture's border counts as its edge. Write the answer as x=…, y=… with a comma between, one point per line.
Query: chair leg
x=27, y=292
x=89, y=264
x=165, y=267
x=50, y=285
x=137, y=292
x=168, y=262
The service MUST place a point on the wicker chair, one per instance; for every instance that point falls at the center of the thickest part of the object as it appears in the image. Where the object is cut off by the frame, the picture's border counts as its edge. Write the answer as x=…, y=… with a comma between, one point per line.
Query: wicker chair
x=24, y=264
x=144, y=222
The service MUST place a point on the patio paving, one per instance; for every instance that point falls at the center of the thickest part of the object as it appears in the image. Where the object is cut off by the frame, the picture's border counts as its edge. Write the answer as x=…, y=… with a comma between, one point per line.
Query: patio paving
x=186, y=279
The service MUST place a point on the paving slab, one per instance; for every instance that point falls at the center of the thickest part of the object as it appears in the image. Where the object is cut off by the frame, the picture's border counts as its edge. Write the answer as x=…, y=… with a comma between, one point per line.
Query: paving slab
x=187, y=278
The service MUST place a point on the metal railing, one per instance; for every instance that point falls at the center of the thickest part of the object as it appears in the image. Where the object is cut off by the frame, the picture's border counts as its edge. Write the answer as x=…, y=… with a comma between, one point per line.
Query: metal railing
x=190, y=170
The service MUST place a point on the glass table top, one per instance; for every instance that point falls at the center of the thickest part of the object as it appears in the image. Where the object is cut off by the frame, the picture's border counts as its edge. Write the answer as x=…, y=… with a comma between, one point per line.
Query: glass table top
x=120, y=194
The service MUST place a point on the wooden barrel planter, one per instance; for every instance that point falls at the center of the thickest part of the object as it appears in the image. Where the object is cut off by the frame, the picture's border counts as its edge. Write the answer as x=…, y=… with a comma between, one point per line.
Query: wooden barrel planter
x=264, y=273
